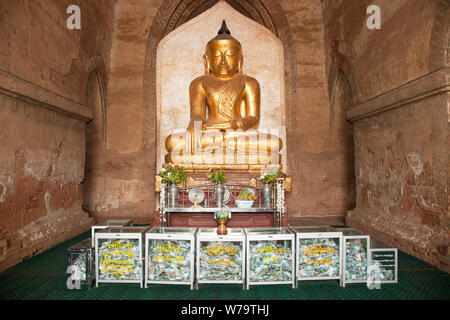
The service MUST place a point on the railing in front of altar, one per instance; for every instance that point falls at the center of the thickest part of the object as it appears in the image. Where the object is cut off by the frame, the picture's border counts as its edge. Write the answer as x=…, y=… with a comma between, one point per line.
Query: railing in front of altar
x=208, y=204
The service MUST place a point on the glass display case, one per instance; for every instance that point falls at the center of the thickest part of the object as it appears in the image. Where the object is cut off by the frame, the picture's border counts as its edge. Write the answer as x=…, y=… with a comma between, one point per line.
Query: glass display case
x=81, y=262
x=118, y=255
x=355, y=256
x=319, y=253
x=109, y=223
x=169, y=256
x=270, y=256
x=383, y=263
x=220, y=258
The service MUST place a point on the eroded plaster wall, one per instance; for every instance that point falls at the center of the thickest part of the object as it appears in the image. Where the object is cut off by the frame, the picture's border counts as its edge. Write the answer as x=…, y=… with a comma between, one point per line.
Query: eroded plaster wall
x=399, y=85
x=44, y=68
x=42, y=166
x=402, y=177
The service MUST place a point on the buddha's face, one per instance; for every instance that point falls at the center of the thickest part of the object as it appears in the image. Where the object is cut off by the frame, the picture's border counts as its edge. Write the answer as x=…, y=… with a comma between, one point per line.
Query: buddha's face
x=224, y=57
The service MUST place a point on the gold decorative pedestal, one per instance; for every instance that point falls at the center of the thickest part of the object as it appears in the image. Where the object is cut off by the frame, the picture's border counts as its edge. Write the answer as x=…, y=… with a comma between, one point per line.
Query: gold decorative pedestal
x=222, y=229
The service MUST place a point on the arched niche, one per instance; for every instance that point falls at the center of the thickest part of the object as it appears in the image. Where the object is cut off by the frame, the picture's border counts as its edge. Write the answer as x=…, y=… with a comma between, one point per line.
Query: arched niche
x=179, y=61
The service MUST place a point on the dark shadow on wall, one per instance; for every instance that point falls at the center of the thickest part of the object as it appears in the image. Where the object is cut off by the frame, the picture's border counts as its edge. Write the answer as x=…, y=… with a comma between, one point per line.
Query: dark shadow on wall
x=341, y=136
x=94, y=137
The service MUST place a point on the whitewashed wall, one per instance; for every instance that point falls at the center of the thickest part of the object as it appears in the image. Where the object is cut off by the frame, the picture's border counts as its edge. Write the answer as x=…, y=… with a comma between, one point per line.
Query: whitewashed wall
x=179, y=61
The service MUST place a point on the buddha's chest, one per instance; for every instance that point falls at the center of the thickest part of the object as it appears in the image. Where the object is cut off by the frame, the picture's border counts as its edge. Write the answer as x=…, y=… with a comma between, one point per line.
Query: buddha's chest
x=228, y=92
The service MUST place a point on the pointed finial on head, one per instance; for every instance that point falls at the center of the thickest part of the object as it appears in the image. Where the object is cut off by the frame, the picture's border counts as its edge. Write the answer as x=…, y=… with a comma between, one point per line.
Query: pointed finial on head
x=224, y=33
x=224, y=29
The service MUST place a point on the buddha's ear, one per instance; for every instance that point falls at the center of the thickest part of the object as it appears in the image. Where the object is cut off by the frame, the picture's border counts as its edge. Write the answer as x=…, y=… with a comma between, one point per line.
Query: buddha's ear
x=241, y=60
x=206, y=63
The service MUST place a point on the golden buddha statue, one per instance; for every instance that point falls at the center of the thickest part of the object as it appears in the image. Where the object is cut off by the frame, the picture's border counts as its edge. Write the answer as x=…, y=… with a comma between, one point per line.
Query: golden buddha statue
x=224, y=114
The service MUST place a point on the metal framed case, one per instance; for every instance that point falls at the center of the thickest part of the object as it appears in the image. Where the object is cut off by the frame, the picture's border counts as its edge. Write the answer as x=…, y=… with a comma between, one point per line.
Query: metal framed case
x=81, y=262
x=220, y=258
x=118, y=255
x=355, y=256
x=170, y=256
x=270, y=256
x=383, y=263
x=109, y=223
x=319, y=253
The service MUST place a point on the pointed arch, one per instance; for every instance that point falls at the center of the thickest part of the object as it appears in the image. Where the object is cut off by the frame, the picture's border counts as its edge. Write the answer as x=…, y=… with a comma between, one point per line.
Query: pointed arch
x=95, y=136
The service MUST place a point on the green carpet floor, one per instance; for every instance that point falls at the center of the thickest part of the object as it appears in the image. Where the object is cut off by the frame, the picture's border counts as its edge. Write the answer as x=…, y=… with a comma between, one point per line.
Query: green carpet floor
x=43, y=277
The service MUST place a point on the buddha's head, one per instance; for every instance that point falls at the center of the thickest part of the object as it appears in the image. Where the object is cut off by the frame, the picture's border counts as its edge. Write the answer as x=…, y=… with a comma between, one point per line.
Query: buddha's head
x=223, y=57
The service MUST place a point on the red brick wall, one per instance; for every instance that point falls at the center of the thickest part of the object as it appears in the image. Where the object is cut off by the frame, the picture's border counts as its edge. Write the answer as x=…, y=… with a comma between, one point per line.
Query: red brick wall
x=44, y=68
x=401, y=163
x=399, y=114
x=42, y=165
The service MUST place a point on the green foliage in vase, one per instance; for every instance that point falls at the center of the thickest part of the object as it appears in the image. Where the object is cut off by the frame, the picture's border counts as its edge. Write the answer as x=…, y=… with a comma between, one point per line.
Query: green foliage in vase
x=222, y=215
x=216, y=176
x=173, y=173
x=269, y=174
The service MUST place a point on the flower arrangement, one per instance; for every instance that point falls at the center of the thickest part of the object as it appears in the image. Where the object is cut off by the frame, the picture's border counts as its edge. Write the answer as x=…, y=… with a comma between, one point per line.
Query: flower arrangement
x=172, y=173
x=216, y=176
x=245, y=195
x=280, y=204
x=222, y=215
x=269, y=174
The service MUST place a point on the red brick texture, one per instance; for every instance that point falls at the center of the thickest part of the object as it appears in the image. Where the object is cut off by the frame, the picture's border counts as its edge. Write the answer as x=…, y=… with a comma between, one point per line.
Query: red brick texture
x=38, y=214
